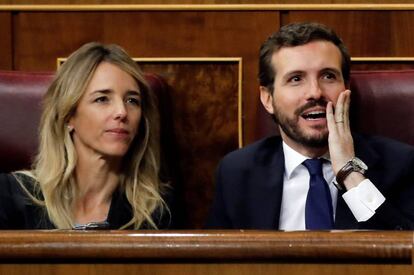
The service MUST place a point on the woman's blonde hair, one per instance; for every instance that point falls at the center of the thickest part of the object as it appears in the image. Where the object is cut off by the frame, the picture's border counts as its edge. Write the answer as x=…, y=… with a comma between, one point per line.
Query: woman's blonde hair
x=54, y=166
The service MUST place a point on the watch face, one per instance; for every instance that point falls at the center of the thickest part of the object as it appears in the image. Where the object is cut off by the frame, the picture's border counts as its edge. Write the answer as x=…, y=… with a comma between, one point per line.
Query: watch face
x=360, y=163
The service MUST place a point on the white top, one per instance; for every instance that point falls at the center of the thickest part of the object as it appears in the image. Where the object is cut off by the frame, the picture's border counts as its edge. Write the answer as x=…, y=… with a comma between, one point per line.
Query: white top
x=363, y=200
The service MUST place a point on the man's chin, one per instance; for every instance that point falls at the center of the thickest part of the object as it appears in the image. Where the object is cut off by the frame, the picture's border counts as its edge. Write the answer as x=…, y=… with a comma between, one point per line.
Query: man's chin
x=319, y=140
x=316, y=137
x=316, y=140
x=316, y=143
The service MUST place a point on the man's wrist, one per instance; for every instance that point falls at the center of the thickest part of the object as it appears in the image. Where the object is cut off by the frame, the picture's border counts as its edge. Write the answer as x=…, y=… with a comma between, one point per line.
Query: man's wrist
x=354, y=166
x=353, y=180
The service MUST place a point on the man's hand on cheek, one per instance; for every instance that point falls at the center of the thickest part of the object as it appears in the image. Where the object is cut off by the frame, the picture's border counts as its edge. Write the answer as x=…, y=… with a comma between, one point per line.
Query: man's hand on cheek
x=341, y=145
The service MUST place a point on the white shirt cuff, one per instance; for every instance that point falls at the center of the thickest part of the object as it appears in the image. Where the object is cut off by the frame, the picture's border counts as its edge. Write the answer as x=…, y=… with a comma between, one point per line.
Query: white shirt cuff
x=363, y=200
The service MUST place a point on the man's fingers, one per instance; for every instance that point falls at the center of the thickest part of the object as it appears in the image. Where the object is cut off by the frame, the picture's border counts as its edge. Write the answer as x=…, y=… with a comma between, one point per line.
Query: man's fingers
x=330, y=117
x=347, y=104
x=339, y=108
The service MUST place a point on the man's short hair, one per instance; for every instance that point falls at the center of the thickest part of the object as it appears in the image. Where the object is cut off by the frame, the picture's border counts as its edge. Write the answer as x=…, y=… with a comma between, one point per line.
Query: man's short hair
x=297, y=34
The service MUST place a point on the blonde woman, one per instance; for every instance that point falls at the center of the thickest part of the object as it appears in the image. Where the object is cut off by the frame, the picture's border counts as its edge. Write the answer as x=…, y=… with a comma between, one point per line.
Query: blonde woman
x=98, y=159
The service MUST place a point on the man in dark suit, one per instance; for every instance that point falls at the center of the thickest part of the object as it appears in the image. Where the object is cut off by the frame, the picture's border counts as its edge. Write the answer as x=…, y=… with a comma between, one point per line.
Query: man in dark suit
x=317, y=174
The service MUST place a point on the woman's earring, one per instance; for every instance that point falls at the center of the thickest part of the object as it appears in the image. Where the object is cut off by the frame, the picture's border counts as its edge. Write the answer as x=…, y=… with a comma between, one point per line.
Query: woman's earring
x=70, y=128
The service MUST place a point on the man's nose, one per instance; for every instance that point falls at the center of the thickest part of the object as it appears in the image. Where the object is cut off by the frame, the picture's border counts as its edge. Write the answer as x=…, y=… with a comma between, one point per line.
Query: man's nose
x=314, y=90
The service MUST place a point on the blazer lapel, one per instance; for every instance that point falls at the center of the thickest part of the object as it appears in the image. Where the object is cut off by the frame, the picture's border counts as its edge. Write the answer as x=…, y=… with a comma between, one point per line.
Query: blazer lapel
x=344, y=219
x=270, y=188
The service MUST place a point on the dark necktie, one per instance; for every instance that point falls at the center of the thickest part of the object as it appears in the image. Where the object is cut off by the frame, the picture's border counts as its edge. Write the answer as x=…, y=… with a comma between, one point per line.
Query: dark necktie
x=318, y=210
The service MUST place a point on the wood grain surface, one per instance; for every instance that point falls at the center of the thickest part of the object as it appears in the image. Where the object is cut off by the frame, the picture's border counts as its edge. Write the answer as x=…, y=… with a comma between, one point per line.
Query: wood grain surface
x=251, y=245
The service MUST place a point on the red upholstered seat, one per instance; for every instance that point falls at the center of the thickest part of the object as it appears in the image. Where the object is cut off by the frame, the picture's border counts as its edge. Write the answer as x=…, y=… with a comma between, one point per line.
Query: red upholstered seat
x=20, y=106
x=382, y=103
x=20, y=103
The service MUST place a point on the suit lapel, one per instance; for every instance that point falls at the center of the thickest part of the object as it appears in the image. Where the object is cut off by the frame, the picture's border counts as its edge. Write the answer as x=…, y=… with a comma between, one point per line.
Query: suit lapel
x=344, y=219
x=270, y=188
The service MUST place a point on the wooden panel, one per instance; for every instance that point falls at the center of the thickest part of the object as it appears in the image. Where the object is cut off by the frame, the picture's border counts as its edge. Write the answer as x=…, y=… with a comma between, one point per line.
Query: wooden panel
x=37, y=2
x=5, y=41
x=204, y=114
x=143, y=34
x=204, y=269
x=378, y=65
x=367, y=33
x=205, y=252
x=149, y=34
x=227, y=245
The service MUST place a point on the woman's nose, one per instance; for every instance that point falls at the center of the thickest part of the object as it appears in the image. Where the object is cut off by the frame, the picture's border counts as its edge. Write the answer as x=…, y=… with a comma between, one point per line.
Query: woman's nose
x=120, y=111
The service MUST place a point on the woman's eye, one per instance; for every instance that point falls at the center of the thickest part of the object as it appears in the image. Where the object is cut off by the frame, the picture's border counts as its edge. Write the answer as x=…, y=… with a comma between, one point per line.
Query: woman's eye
x=133, y=100
x=101, y=99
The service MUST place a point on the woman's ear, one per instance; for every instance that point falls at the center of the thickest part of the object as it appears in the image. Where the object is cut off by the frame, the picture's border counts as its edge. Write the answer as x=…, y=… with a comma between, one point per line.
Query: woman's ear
x=70, y=128
x=267, y=99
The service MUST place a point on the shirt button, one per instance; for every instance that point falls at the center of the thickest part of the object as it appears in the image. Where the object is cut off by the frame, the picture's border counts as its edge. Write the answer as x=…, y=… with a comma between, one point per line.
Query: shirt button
x=370, y=199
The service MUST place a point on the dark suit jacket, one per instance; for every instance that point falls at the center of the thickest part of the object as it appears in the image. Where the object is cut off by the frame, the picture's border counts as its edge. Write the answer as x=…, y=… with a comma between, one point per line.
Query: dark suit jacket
x=249, y=185
x=17, y=210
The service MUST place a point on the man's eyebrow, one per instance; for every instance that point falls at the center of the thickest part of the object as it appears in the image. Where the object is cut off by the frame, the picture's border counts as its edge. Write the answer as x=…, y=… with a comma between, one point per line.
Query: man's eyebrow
x=331, y=70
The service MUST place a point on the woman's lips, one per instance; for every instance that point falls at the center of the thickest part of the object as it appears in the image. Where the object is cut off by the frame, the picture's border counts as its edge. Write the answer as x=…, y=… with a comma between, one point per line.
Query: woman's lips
x=118, y=132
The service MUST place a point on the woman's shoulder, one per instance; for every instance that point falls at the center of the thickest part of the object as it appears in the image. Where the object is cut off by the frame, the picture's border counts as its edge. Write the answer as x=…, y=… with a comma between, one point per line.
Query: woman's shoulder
x=16, y=184
x=17, y=208
x=7, y=178
x=8, y=182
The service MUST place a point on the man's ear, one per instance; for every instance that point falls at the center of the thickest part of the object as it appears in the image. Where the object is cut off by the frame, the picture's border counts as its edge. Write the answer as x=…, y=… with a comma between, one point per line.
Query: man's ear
x=267, y=99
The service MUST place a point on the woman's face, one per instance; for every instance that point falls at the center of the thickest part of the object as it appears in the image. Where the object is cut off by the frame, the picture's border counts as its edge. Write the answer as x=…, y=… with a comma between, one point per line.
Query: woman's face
x=108, y=115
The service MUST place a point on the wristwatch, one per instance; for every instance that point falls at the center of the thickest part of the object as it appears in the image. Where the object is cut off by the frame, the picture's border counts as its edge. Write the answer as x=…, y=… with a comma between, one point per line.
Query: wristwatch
x=354, y=165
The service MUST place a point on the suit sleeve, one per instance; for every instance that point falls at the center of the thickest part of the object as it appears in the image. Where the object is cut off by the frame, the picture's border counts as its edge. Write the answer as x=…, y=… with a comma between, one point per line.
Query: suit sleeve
x=218, y=218
x=397, y=212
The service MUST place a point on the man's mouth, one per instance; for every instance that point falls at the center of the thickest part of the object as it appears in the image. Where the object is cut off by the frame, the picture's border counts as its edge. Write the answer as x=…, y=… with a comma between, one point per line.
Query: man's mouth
x=313, y=110
x=314, y=115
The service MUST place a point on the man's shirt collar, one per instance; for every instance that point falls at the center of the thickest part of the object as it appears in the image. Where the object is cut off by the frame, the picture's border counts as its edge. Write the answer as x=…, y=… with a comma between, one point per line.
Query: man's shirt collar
x=293, y=159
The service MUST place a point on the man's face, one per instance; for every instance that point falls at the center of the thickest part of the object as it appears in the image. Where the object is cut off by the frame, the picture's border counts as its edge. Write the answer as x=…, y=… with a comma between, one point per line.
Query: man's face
x=307, y=78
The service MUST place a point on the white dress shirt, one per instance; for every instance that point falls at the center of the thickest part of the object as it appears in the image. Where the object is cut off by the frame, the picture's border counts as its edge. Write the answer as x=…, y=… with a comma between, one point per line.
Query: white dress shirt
x=363, y=200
